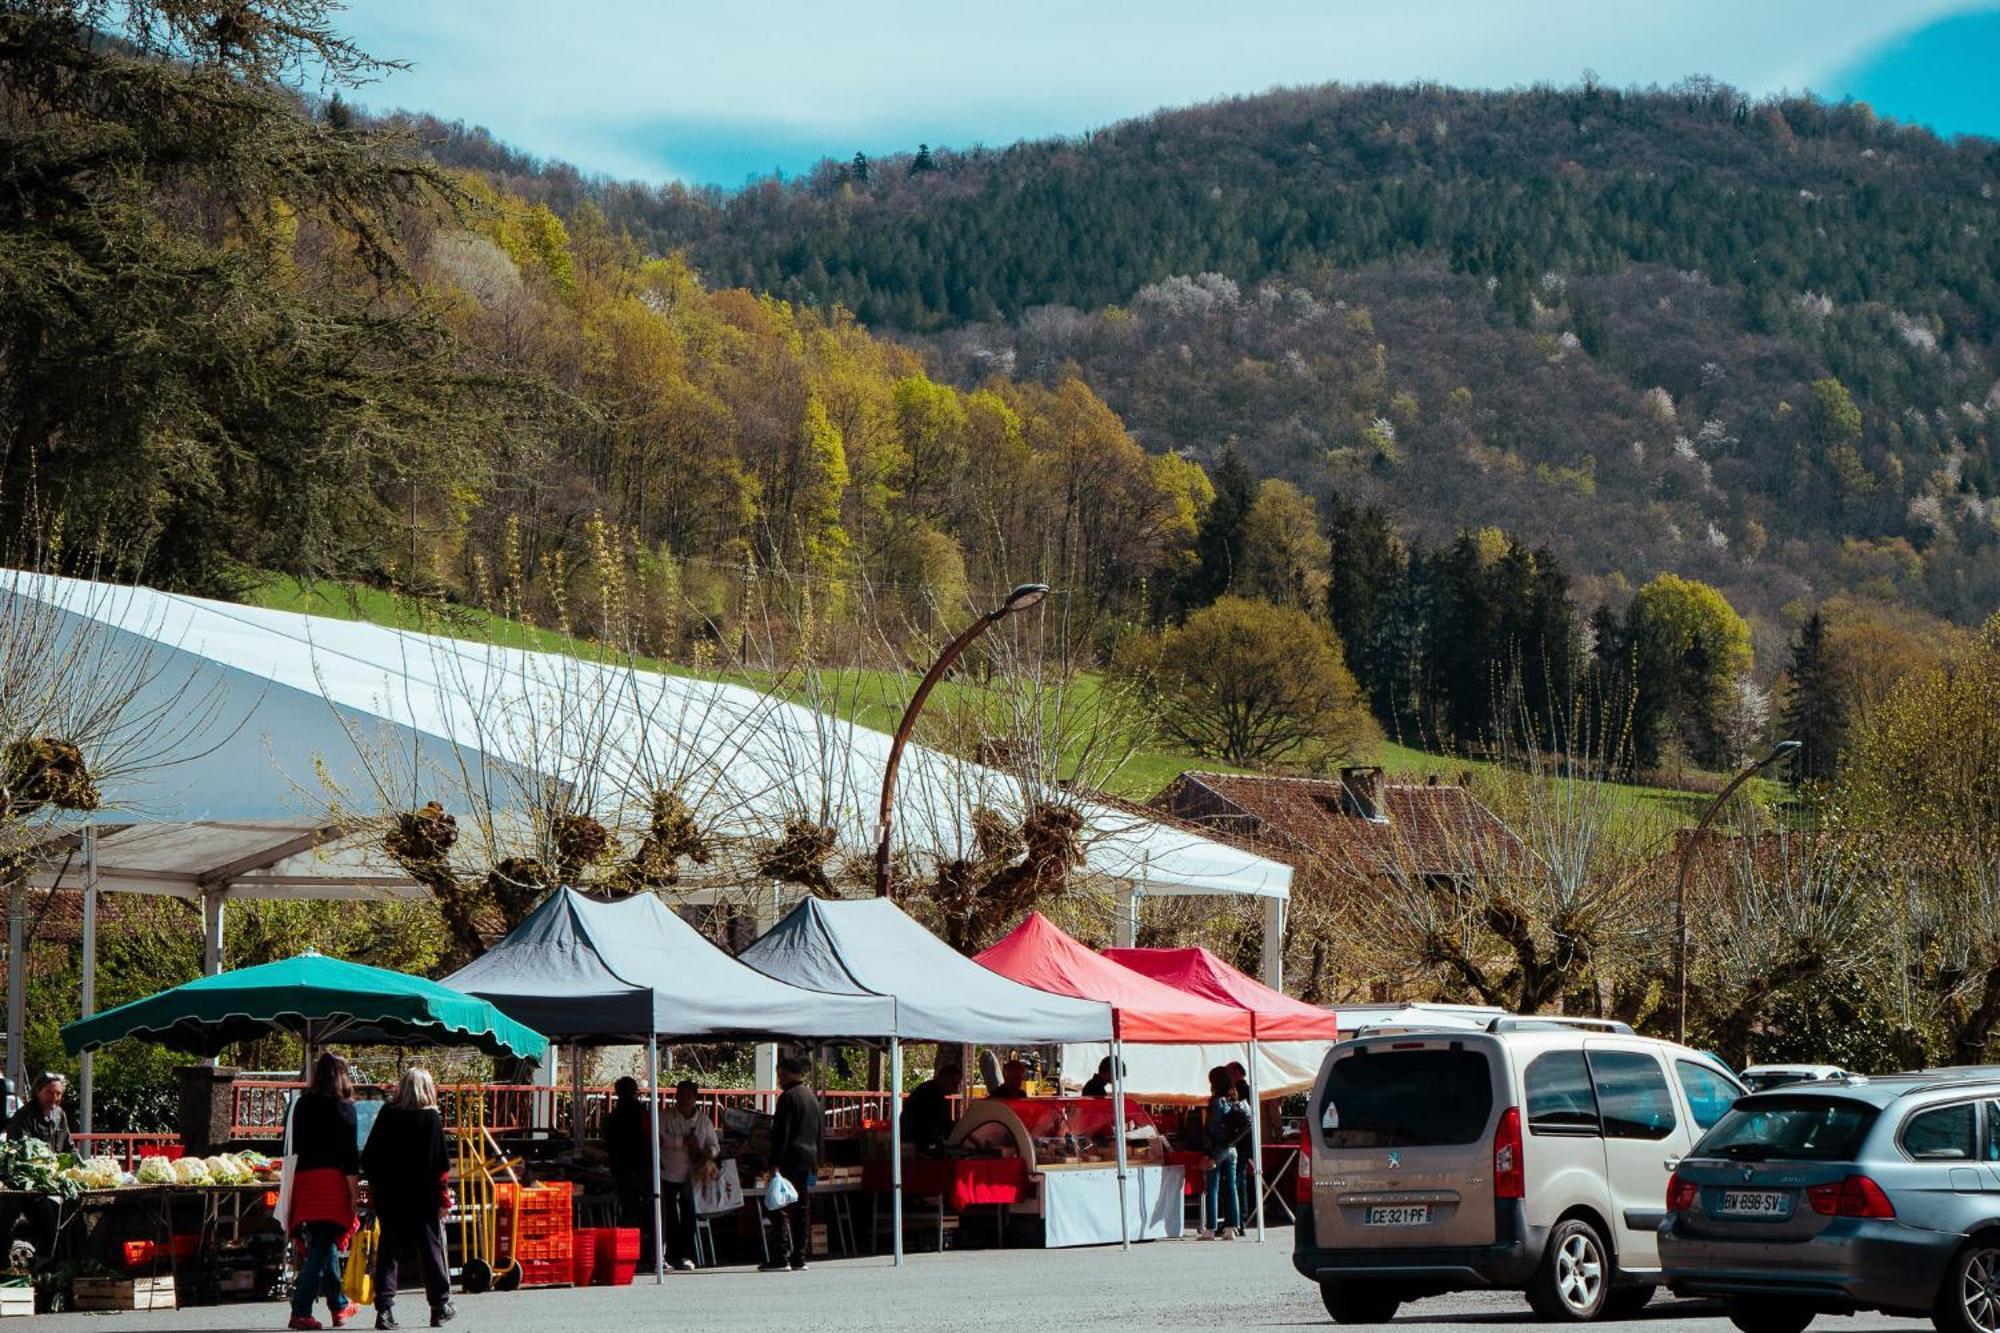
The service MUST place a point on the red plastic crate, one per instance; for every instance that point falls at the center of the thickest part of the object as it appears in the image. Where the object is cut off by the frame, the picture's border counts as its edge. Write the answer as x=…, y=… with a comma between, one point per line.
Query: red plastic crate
x=545, y=1273
x=583, y=1256
x=145, y=1253
x=617, y=1256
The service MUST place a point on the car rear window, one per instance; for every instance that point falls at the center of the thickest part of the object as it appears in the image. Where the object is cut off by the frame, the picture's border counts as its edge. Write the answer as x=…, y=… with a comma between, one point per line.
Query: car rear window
x=1785, y=1128
x=1407, y=1099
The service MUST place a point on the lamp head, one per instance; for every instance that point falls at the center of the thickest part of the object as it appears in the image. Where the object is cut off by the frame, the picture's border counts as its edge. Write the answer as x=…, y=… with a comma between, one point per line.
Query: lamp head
x=1783, y=748
x=1023, y=597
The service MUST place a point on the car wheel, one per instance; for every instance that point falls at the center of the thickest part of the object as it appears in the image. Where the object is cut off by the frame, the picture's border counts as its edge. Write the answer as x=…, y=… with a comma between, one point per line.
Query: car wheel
x=1768, y=1316
x=1575, y=1275
x=1969, y=1301
x=1626, y=1302
x=1359, y=1302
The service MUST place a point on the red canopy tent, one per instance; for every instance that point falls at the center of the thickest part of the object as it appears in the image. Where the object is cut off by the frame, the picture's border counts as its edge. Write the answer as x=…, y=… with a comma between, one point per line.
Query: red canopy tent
x=1275, y=1015
x=1041, y=954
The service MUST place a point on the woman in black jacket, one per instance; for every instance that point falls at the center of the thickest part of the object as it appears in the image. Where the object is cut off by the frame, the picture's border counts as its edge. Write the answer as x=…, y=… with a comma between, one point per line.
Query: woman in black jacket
x=406, y=1163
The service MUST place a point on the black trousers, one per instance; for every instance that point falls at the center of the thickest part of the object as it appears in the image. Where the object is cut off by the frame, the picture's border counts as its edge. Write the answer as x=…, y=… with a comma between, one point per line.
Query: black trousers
x=791, y=1227
x=635, y=1207
x=408, y=1236
x=677, y=1215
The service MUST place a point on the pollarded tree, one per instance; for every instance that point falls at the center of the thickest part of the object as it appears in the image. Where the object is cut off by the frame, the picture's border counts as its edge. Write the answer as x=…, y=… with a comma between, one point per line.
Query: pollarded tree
x=1250, y=683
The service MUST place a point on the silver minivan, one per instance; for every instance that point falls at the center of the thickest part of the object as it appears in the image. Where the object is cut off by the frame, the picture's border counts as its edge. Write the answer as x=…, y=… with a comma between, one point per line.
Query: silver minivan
x=1531, y=1156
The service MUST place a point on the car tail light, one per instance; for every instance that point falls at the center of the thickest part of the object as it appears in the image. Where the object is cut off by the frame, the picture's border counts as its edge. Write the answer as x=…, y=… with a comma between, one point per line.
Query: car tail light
x=1681, y=1194
x=1856, y=1196
x=1510, y=1179
x=1302, y=1185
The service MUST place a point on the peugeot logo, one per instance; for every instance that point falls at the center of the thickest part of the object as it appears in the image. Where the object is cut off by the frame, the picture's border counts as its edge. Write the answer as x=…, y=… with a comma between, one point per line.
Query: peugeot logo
x=1395, y=1161
x=1748, y=1175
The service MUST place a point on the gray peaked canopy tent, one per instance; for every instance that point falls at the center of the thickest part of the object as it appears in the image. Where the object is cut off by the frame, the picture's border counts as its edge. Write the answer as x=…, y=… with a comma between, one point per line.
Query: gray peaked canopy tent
x=593, y=972
x=870, y=946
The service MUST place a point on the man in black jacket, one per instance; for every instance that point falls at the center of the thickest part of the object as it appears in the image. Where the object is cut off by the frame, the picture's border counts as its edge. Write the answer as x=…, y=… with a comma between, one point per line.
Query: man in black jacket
x=795, y=1136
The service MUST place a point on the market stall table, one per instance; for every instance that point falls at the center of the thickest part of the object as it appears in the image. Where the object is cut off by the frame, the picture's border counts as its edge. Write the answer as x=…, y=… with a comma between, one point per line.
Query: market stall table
x=1065, y=1148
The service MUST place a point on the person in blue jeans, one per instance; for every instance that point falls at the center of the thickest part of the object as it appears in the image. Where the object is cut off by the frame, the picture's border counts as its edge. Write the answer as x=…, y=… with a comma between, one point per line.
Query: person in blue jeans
x=1220, y=1199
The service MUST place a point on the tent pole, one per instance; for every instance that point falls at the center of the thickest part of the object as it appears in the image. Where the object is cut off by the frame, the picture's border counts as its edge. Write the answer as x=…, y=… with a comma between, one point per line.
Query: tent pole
x=86, y=1064
x=17, y=983
x=1118, y=1136
x=653, y=1122
x=211, y=929
x=1273, y=958
x=896, y=1141
x=576, y=1094
x=1256, y=1143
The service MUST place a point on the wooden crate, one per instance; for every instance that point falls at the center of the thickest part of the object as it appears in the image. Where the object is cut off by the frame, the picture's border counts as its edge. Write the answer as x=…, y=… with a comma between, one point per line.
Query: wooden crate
x=16, y=1301
x=122, y=1293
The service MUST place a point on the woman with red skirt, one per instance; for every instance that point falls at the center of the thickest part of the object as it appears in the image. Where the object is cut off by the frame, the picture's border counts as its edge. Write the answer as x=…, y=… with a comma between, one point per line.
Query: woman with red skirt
x=325, y=1185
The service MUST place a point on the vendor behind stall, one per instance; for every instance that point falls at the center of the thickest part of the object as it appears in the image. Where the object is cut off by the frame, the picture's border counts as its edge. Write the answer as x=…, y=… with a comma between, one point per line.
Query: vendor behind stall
x=40, y=1117
x=1100, y=1083
x=927, y=1111
x=1013, y=1081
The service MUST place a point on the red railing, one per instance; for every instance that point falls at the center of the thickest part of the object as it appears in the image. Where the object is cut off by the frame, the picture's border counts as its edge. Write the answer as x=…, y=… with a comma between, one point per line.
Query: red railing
x=127, y=1148
x=258, y=1107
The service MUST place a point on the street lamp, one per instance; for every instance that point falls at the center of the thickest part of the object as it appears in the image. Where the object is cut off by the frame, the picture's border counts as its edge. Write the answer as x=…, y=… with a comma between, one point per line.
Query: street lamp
x=1023, y=597
x=1778, y=751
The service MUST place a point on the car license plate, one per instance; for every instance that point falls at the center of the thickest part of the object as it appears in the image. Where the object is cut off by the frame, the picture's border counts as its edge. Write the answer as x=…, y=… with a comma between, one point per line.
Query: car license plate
x=1399, y=1215
x=1754, y=1203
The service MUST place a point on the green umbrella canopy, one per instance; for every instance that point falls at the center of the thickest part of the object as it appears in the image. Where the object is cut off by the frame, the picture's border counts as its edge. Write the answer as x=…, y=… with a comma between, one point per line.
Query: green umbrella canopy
x=311, y=996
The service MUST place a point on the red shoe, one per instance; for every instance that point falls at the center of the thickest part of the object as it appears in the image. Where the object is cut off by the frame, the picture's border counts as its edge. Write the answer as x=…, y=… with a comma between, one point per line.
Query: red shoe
x=304, y=1321
x=345, y=1313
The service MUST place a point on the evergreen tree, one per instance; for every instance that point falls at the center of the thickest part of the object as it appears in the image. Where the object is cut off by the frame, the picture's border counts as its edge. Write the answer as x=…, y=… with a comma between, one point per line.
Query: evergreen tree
x=922, y=162
x=861, y=167
x=1218, y=544
x=1815, y=705
x=1367, y=581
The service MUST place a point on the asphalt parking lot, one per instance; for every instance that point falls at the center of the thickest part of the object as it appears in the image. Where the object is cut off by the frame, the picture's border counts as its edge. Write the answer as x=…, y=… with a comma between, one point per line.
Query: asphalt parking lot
x=1164, y=1285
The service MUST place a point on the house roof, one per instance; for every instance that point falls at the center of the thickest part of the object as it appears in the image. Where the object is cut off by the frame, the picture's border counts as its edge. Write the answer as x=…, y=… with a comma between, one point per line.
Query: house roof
x=1433, y=828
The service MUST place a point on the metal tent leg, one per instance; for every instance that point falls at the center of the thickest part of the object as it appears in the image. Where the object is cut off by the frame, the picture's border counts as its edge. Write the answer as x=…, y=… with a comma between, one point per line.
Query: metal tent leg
x=896, y=1144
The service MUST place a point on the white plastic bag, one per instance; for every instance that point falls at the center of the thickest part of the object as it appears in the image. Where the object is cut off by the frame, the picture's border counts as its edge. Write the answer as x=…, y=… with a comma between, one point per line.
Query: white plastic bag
x=779, y=1194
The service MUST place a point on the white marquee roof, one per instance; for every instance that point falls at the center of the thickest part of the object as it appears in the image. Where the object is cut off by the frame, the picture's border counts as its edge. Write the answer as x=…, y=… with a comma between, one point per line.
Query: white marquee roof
x=298, y=707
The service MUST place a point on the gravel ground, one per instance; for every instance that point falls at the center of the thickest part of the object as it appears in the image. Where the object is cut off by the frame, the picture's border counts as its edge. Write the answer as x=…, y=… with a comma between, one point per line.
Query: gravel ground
x=1163, y=1285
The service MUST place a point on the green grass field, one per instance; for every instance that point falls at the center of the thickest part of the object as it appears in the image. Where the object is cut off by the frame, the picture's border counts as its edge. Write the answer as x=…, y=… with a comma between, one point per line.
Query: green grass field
x=876, y=698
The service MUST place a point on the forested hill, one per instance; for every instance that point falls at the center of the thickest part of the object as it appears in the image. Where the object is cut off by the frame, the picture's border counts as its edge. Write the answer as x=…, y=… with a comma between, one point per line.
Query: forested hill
x=1750, y=341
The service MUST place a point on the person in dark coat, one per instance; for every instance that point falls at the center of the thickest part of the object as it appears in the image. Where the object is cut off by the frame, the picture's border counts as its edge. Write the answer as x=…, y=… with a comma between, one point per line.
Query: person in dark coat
x=628, y=1142
x=927, y=1115
x=326, y=1181
x=796, y=1126
x=408, y=1165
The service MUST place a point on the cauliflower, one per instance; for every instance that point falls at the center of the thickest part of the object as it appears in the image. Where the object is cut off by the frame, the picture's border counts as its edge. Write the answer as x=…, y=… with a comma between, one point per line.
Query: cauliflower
x=227, y=1170
x=156, y=1171
x=191, y=1171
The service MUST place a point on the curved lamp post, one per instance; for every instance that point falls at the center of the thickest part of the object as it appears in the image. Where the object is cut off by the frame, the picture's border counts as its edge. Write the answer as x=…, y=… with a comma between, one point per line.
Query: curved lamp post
x=1778, y=751
x=1023, y=597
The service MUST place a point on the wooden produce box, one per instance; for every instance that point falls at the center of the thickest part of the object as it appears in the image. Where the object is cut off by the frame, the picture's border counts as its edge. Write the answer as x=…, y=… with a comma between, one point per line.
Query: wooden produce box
x=16, y=1301
x=122, y=1293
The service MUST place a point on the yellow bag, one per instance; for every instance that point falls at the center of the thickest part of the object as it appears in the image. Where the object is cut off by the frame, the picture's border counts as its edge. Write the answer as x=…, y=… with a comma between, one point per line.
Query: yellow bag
x=358, y=1278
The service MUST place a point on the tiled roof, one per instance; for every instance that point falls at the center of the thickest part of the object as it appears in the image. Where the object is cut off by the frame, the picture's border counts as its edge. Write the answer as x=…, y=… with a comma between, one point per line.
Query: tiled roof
x=1429, y=828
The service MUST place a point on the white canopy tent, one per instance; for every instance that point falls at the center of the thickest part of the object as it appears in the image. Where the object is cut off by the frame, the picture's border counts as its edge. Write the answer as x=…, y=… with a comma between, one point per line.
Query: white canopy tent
x=209, y=862
x=307, y=714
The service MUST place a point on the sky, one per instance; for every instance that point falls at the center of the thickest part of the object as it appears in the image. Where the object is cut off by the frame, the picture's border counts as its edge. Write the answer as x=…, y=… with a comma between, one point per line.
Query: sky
x=714, y=93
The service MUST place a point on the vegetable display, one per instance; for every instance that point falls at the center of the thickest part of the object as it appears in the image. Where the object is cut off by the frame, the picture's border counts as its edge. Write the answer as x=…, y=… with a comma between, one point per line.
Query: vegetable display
x=30, y=1164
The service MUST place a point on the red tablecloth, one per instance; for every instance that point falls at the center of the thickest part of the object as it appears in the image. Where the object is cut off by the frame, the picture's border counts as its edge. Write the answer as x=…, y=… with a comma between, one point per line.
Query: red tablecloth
x=963, y=1183
x=1191, y=1173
